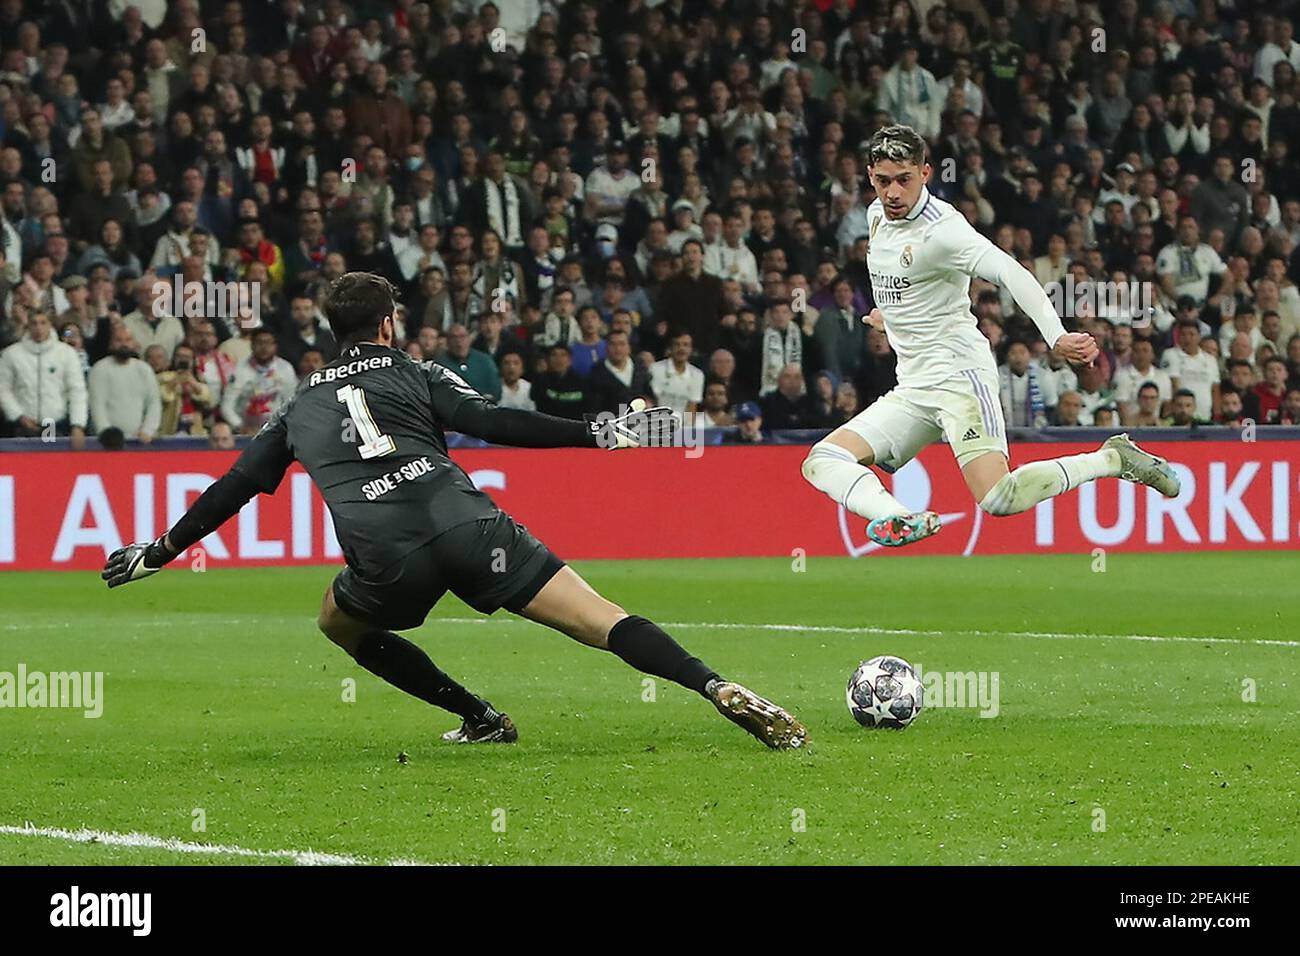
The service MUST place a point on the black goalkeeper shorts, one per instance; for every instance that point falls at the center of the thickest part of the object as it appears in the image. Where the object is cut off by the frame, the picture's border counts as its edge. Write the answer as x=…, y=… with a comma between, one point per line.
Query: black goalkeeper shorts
x=489, y=564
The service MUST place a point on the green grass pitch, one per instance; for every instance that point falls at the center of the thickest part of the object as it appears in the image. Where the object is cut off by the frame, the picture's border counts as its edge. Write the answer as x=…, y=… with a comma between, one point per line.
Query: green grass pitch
x=220, y=696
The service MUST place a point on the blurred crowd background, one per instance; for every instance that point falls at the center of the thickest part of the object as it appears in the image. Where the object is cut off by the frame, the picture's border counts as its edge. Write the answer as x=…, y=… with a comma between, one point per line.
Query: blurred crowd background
x=583, y=203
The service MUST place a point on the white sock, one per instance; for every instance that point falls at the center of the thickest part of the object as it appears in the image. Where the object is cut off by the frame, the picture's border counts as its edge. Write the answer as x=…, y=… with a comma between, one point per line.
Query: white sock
x=1037, y=481
x=833, y=469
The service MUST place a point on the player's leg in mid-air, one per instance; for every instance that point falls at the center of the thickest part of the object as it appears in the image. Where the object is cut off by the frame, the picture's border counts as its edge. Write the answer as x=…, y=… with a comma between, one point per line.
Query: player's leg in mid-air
x=1002, y=491
x=972, y=420
x=965, y=410
x=889, y=432
x=570, y=605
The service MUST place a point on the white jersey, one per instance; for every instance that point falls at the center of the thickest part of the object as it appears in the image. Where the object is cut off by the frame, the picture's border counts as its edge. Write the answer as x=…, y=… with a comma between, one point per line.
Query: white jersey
x=1198, y=373
x=921, y=267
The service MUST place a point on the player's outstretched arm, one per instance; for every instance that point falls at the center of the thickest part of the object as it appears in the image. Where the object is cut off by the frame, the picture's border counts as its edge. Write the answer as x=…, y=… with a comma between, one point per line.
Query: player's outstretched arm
x=466, y=410
x=969, y=252
x=525, y=429
x=996, y=266
x=260, y=468
x=999, y=268
x=220, y=502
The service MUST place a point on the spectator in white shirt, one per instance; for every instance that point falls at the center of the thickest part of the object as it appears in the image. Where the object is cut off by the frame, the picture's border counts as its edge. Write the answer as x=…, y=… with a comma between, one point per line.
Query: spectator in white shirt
x=715, y=413
x=37, y=289
x=1055, y=377
x=151, y=322
x=414, y=257
x=116, y=111
x=1186, y=265
x=959, y=79
x=1283, y=48
x=609, y=186
x=675, y=381
x=261, y=384
x=42, y=385
x=124, y=391
x=174, y=245
x=1130, y=378
x=1092, y=391
x=911, y=95
x=683, y=213
x=771, y=69
x=1192, y=369
x=1243, y=322
x=516, y=391
x=11, y=246
x=782, y=346
x=731, y=258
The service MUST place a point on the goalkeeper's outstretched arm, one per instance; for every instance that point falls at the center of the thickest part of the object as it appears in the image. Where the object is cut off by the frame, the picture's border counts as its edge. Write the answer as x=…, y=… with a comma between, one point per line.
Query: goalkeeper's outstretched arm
x=525, y=429
x=464, y=409
x=218, y=504
x=520, y=427
x=260, y=467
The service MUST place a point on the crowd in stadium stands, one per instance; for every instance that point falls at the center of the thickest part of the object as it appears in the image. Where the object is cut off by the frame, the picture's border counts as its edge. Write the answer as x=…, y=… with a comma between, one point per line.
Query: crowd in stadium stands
x=585, y=202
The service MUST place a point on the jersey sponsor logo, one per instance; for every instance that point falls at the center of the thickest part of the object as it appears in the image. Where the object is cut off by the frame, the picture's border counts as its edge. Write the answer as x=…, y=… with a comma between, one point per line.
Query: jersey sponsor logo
x=888, y=289
x=334, y=373
x=883, y=280
x=378, y=487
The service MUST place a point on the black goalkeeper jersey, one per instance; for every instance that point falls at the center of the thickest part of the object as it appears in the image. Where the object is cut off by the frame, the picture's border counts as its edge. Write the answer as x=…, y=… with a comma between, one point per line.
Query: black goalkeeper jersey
x=368, y=428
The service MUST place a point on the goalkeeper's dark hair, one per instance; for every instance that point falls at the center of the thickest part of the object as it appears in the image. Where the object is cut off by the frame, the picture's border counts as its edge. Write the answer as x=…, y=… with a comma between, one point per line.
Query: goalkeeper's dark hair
x=355, y=303
x=901, y=144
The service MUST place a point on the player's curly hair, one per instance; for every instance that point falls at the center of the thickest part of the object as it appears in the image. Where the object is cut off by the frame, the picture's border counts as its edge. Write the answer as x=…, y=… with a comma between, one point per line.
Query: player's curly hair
x=355, y=303
x=901, y=144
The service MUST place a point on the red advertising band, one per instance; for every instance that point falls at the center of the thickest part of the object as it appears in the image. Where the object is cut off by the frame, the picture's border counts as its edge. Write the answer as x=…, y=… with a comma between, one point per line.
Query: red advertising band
x=68, y=510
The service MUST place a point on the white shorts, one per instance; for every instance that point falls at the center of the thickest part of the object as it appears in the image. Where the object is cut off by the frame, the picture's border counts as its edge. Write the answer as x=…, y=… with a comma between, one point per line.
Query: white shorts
x=965, y=410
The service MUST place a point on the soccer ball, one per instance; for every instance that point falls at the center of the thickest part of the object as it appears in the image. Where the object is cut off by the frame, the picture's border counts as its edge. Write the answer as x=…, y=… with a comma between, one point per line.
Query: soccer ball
x=884, y=692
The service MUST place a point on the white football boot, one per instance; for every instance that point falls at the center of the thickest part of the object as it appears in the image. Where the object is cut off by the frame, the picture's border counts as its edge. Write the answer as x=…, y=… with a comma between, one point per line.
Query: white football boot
x=1143, y=467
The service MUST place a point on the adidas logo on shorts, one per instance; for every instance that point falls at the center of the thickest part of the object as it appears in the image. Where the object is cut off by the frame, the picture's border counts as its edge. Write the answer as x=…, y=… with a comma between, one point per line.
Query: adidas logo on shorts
x=971, y=435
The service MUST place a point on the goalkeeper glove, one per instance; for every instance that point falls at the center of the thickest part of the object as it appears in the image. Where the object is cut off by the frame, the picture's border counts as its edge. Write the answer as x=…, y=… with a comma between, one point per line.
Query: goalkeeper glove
x=654, y=427
x=136, y=561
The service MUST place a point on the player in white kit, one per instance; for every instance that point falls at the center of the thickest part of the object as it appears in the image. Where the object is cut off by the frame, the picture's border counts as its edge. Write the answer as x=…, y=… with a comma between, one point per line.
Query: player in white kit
x=921, y=257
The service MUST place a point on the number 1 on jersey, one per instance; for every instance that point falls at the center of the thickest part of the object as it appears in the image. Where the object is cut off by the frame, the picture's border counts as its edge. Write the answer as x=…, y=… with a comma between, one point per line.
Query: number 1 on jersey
x=374, y=444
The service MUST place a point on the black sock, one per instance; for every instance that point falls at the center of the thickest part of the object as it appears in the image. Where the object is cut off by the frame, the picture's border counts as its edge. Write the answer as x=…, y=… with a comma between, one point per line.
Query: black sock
x=408, y=668
x=645, y=646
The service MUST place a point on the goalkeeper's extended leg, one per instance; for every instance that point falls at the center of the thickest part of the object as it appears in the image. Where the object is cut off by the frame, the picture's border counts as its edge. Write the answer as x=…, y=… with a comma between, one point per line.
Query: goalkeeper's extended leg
x=404, y=665
x=838, y=466
x=570, y=605
x=1003, y=492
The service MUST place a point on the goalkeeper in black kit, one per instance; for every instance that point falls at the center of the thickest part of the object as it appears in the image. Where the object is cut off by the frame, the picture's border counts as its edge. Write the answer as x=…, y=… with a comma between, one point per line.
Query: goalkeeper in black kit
x=368, y=428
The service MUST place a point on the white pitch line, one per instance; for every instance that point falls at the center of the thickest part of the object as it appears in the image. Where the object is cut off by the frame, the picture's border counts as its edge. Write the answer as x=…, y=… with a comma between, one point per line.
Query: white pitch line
x=149, y=842
x=911, y=632
x=730, y=626
x=1045, y=635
